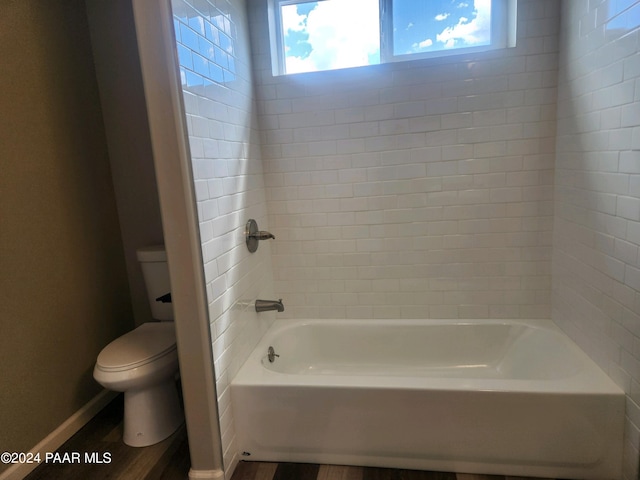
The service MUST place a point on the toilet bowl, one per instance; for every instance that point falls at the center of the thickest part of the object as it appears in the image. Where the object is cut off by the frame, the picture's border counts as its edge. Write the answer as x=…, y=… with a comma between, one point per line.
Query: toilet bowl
x=143, y=363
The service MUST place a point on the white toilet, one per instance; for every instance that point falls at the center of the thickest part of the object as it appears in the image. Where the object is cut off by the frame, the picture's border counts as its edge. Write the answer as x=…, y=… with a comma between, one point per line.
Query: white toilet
x=144, y=362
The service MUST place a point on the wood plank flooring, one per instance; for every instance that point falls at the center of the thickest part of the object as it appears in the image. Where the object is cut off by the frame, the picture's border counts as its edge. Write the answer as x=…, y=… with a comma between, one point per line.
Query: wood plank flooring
x=300, y=471
x=169, y=460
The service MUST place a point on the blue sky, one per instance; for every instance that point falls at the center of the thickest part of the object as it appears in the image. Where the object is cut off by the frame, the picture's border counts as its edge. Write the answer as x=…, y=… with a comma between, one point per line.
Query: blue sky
x=425, y=26
x=330, y=34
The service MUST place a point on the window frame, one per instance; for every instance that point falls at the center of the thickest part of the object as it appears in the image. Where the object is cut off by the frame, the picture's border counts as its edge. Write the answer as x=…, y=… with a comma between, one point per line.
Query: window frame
x=503, y=34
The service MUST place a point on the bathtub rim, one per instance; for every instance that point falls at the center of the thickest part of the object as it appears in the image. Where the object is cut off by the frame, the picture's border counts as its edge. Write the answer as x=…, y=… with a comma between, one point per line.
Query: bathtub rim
x=591, y=379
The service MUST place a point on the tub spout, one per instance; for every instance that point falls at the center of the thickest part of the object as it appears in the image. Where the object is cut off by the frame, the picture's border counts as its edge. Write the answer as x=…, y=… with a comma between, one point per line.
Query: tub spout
x=267, y=305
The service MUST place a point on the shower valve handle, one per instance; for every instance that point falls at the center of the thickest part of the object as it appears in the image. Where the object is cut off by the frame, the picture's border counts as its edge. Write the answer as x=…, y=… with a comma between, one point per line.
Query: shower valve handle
x=253, y=235
x=262, y=235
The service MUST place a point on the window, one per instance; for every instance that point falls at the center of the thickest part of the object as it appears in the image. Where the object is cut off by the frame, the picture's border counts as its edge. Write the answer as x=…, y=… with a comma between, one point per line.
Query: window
x=316, y=35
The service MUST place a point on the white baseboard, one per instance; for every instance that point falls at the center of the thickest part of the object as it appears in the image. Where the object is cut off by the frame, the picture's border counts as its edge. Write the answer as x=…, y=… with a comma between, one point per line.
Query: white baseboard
x=206, y=474
x=64, y=432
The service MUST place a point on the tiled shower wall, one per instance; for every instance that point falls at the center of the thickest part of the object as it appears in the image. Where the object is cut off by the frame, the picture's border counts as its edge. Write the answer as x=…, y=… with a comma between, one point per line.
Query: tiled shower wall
x=414, y=190
x=596, y=265
x=422, y=189
x=213, y=50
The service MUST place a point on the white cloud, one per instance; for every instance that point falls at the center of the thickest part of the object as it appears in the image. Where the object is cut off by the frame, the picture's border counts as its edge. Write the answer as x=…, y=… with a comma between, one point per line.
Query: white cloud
x=442, y=16
x=292, y=20
x=341, y=35
x=423, y=44
x=469, y=32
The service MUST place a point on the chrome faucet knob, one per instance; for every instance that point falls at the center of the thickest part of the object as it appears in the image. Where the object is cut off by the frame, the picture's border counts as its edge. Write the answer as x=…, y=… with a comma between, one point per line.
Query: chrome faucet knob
x=253, y=235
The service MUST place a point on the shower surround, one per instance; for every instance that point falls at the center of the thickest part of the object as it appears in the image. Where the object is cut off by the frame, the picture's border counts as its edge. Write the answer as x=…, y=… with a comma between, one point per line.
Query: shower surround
x=596, y=267
x=422, y=189
x=417, y=189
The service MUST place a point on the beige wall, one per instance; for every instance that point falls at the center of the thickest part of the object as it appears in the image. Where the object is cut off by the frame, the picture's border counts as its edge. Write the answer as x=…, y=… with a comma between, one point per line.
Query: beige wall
x=64, y=290
x=117, y=64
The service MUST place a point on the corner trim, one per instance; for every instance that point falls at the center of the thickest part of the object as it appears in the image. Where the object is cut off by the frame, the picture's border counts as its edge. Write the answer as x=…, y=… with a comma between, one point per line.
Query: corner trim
x=206, y=474
x=174, y=175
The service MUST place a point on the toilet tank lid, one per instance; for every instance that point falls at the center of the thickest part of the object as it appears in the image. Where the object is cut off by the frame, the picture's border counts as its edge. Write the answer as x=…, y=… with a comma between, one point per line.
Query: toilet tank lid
x=154, y=253
x=138, y=347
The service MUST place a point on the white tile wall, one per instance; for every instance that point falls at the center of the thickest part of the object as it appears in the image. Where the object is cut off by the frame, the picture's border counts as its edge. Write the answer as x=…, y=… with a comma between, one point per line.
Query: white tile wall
x=418, y=189
x=423, y=189
x=213, y=49
x=596, y=288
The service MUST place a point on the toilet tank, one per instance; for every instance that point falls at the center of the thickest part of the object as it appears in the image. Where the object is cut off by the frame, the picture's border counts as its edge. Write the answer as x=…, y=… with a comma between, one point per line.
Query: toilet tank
x=155, y=270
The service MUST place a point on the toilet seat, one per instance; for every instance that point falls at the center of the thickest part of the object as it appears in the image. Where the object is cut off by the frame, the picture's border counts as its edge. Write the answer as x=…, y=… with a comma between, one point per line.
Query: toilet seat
x=143, y=345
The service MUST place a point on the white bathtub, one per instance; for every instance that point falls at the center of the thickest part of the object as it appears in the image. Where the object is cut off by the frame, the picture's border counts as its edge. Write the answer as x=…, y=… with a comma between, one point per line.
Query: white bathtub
x=503, y=397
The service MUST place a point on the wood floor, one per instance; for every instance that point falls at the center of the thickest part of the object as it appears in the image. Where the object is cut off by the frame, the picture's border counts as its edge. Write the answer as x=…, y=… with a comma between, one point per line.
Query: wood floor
x=300, y=471
x=169, y=460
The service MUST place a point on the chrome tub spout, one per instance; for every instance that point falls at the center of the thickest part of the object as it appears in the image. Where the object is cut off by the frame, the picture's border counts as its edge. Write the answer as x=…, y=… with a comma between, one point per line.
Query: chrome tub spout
x=268, y=305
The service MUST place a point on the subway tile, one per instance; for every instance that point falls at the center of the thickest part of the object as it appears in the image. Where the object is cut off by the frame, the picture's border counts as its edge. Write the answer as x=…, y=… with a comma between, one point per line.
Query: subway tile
x=372, y=162
x=628, y=207
x=598, y=125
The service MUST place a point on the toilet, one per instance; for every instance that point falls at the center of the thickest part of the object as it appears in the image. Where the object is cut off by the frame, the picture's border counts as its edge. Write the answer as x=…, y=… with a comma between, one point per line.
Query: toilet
x=144, y=362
